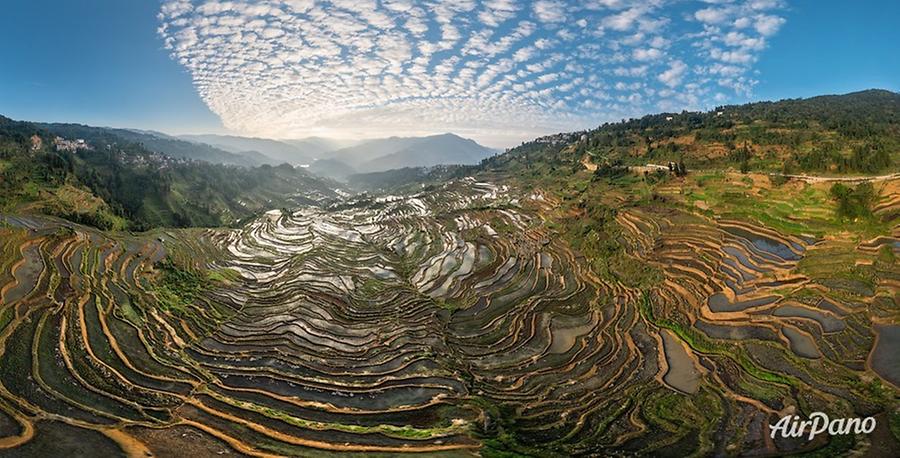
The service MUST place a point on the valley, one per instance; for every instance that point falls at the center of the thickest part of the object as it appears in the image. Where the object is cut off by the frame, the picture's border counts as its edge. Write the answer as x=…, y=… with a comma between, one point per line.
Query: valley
x=450, y=229
x=565, y=298
x=449, y=322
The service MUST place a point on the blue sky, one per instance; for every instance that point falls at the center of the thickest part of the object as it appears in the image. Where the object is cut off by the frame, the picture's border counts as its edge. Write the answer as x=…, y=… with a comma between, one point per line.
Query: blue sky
x=499, y=71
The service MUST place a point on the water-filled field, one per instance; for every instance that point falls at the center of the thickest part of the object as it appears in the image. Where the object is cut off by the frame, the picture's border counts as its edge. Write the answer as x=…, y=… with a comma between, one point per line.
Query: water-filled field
x=450, y=322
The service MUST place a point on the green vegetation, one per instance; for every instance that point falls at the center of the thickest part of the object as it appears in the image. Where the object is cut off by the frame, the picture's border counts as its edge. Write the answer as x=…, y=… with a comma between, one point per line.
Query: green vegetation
x=703, y=344
x=500, y=440
x=894, y=422
x=796, y=208
x=223, y=275
x=391, y=179
x=853, y=203
x=402, y=432
x=546, y=336
x=115, y=184
x=179, y=286
x=854, y=133
x=838, y=445
x=596, y=235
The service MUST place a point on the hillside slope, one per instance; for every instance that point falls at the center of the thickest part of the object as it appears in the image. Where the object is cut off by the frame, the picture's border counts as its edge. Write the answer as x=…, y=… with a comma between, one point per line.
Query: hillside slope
x=856, y=133
x=547, y=302
x=278, y=151
x=331, y=168
x=319, y=147
x=160, y=143
x=112, y=183
x=444, y=149
x=396, y=152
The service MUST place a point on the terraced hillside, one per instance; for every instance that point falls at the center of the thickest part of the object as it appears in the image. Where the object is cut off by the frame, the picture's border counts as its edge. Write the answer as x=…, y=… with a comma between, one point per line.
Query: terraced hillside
x=460, y=320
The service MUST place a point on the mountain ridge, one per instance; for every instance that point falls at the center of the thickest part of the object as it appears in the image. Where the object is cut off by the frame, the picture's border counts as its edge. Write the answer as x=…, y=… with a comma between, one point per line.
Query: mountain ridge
x=278, y=151
x=858, y=132
x=400, y=152
x=111, y=182
x=444, y=149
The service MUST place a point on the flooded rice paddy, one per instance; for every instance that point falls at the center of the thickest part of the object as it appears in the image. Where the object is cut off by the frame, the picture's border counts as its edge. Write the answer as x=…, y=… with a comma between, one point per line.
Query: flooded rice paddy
x=447, y=323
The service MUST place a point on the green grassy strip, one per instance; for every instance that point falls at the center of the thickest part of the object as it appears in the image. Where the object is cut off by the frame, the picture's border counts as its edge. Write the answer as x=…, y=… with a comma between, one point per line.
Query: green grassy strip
x=702, y=344
x=6, y=315
x=400, y=432
x=894, y=421
x=179, y=289
x=501, y=441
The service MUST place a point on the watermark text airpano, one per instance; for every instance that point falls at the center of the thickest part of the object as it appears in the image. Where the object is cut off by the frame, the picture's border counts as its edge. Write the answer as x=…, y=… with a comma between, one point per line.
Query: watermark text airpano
x=819, y=423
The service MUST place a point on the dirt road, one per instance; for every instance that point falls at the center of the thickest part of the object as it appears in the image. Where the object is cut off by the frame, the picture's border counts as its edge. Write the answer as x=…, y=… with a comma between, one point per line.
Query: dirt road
x=815, y=179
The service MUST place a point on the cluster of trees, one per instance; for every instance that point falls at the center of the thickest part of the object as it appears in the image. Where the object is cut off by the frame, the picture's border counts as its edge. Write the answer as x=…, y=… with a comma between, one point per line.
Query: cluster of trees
x=853, y=133
x=741, y=156
x=678, y=168
x=607, y=169
x=870, y=157
x=389, y=179
x=853, y=203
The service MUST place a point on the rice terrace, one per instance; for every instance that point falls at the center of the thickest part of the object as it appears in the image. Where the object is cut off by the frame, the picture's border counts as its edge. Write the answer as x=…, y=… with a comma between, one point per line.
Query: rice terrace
x=720, y=281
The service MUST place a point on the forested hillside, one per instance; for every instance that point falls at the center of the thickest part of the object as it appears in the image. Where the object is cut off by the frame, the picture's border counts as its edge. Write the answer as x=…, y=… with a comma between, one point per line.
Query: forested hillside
x=113, y=183
x=855, y=133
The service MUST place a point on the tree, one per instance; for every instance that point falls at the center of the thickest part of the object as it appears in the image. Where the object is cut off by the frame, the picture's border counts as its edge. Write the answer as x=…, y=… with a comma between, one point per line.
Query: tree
x=853, y=203
x=680, y=169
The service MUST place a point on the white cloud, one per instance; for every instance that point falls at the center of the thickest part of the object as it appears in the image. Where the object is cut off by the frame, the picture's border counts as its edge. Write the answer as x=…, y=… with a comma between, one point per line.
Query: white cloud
x=712, y=15
x=300, y=6
x=674, y=75
x=659, y=42
x=489, y=69
x=738, y=39
x=742, y=23
x=633, y=72
x=623, y=21
x=768, y=25
x=550, y=11
x=647, y=54
x=734, y=57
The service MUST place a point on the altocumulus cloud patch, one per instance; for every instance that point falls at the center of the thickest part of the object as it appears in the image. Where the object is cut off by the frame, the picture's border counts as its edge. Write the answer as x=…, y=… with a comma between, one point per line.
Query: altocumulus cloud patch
x=493, y=69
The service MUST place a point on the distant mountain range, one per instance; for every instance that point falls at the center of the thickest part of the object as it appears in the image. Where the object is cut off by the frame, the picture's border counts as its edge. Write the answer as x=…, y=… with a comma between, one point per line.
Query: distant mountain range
x=319, y=147
x=331, y=158
x=397, y=153
x=275, y=151
x=446, y=149
x=332, y=168
x=340, y=158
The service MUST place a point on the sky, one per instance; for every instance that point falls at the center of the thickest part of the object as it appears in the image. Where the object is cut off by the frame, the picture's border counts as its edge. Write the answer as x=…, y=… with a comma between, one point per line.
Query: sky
x=497, y=71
